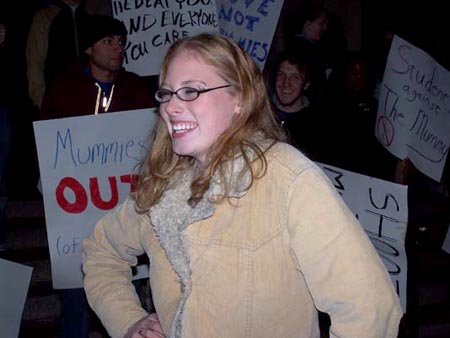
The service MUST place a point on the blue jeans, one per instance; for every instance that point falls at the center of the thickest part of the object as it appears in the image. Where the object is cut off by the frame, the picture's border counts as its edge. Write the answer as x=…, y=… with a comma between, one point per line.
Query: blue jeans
x=74, y=314
x=5, y=138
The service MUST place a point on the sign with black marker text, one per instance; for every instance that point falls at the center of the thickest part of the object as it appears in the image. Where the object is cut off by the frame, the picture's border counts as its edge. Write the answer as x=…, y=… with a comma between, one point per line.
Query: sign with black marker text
x=414, y=108
x=153, y=25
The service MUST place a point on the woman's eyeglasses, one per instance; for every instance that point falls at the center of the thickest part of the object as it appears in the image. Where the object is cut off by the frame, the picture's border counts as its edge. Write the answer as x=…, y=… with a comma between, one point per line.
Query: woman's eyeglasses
x=184, y=93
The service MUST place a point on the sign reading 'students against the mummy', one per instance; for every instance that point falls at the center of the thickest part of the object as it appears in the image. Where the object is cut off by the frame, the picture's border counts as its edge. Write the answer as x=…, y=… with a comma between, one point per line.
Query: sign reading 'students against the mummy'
x=413, y=118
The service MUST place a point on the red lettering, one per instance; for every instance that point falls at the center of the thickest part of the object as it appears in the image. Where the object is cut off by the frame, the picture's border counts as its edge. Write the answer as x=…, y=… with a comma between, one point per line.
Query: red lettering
x=96, y=197
x=132, y=179
x=81, y=196
x=81, y=199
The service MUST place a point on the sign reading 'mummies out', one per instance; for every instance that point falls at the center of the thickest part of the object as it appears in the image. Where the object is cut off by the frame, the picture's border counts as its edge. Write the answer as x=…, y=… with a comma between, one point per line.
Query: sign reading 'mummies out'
x=414, y=108
x=381, y=208
x=153, y=25
x=87, y=166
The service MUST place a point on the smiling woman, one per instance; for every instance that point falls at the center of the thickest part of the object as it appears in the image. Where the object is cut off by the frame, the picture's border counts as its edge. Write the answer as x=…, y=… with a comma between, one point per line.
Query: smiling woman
x=187, y=69
x=245, y=235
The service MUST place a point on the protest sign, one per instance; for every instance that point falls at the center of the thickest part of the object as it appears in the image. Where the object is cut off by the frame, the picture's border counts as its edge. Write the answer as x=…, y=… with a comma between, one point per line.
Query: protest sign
x=153, y=25
x=252, y=23
x=382, y=209
x=87, y=166
x=14, y=282
x=413, y=118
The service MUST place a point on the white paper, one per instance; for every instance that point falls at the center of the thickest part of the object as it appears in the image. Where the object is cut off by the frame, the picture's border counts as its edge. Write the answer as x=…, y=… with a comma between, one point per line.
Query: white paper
x=413, y=118
x=154, y=25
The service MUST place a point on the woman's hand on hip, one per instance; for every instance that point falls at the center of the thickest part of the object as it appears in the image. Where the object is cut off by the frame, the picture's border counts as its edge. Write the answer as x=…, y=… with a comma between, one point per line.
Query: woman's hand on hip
x=147, y=327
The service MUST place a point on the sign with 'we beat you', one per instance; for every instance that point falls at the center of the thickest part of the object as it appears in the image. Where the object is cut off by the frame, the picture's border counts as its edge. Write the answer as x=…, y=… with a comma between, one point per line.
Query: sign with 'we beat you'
x=153, y=25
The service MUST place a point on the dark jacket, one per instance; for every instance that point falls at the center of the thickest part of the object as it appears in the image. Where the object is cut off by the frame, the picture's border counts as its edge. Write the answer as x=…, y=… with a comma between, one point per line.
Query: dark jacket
x=76, y=93
x=65, y=39
x=306, y=130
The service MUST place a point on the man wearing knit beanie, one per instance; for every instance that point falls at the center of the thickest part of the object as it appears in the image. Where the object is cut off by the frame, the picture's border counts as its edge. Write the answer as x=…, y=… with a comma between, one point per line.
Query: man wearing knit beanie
x=98, y=83
x=99, y=27
x=104, y=43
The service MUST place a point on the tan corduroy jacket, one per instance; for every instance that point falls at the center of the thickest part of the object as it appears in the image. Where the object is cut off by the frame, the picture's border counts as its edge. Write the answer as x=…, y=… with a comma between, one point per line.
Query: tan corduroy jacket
x=258, y=267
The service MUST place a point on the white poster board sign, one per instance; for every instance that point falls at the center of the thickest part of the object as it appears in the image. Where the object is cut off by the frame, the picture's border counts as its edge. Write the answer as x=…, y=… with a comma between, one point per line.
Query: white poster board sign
x=414, y=108
x=382, y=209
x=14, y=282
x=252, y=23
x=87, y=166
x=153, y=26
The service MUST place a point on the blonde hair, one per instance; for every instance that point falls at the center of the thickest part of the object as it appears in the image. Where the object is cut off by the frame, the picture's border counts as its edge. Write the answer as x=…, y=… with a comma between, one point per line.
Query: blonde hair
x=256, y=117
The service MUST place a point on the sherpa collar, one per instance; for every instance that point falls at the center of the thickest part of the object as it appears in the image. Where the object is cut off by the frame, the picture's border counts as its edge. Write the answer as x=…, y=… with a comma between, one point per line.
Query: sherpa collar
x=172, y=215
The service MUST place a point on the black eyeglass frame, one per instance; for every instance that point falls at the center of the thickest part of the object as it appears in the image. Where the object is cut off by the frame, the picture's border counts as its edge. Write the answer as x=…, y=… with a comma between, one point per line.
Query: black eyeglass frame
x=197, y=91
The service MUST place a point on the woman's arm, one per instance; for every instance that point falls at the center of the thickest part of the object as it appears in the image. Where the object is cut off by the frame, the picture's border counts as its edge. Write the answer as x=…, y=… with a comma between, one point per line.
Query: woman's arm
x=344, y=273
x=108, y=255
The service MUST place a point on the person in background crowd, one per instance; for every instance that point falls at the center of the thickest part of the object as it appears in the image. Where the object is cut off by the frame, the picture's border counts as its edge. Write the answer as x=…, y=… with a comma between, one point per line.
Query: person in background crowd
x=96, y=84
x=246, y=236
x=355, y=146
x=299, y=118
x=291, y=78
x=54, y=41
x=316, y=31
x=312, y=22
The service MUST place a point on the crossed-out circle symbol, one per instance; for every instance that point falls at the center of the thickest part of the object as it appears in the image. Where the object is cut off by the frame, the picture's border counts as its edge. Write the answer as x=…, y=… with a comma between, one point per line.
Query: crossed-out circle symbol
x=385, y=130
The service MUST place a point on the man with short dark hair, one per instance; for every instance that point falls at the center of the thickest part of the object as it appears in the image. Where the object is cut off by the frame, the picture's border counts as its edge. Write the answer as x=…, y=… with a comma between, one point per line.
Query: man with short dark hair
x=299, y=117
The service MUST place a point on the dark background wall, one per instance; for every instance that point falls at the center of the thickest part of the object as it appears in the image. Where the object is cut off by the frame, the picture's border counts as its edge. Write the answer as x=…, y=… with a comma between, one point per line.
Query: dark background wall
x=423, y=23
